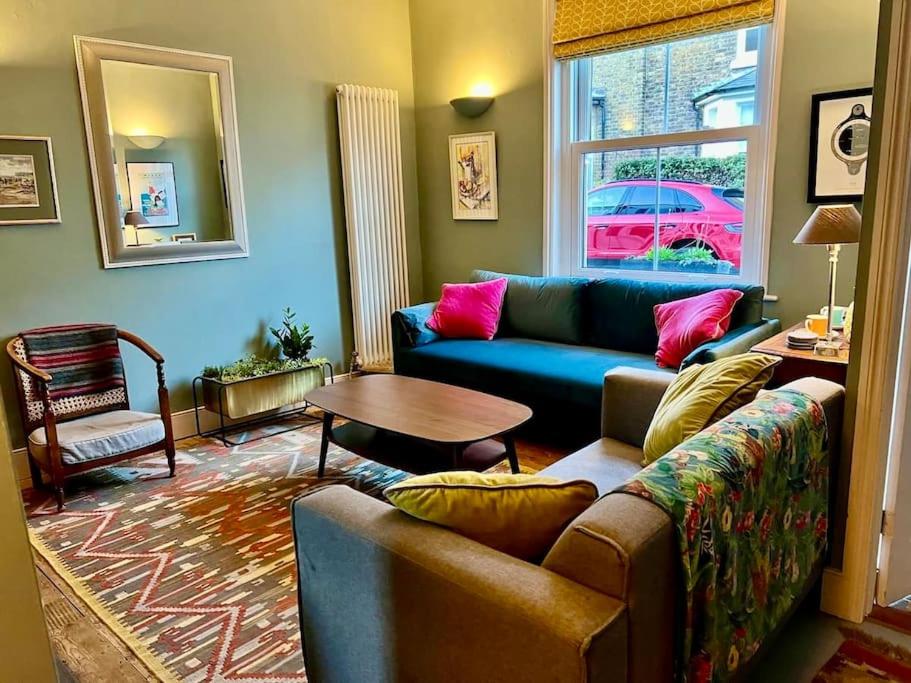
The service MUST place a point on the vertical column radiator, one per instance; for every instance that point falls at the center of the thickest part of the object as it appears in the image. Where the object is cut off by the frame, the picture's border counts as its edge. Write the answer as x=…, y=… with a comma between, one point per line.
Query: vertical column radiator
x=371, y=152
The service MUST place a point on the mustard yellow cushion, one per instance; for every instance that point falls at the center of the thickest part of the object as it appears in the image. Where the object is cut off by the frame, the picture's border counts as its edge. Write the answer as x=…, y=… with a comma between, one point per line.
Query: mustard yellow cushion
x=519, y=514
x=703, y=394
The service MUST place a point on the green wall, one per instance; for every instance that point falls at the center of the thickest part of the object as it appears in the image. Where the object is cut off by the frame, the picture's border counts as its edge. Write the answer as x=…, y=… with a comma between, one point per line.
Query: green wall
x=829, y=45
x=452, y=53
x=288, y=57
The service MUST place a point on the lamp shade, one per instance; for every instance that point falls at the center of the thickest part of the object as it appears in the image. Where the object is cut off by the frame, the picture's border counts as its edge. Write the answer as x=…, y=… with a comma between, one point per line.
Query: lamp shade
x=832, y=224
x=134, y=218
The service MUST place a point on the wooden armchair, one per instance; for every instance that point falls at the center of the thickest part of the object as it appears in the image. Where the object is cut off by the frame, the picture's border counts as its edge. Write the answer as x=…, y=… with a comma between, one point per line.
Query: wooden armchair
x=84, y=425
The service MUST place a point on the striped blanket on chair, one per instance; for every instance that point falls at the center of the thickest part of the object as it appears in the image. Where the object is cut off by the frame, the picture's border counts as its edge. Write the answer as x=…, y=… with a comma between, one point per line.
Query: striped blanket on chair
x=82, y=359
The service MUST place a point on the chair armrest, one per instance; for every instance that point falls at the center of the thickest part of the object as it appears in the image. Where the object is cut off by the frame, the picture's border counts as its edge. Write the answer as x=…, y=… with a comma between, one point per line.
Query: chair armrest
x=384, y=597
x=736, y=341
x=25, y=366
x=629, y=400
x=141, y=344
x=409, y=327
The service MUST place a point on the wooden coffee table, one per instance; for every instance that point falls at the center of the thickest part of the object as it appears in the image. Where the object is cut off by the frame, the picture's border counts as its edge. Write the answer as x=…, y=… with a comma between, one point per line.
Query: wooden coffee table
x=417, y=425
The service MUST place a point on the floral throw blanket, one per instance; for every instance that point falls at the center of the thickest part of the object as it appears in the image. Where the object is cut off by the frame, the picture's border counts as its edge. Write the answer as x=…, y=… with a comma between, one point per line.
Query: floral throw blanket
x=748, y=497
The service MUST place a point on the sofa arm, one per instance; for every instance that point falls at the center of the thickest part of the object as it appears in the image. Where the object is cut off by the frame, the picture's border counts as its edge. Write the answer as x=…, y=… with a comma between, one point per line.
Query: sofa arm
x=409, y=327
x=385, y=597
x=736, y=341
x=629, y=400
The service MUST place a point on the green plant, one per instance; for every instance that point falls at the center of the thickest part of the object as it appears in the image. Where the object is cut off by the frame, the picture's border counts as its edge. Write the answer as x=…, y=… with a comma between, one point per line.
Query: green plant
x=725, y=172
x=664, y=254
x=213, y=371
x=256, y=367
x=295, y=340
x=695, y=255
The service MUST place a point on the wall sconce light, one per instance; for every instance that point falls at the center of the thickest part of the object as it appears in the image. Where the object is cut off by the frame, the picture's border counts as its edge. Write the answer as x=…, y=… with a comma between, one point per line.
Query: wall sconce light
x=471, y=107
x=146, y=141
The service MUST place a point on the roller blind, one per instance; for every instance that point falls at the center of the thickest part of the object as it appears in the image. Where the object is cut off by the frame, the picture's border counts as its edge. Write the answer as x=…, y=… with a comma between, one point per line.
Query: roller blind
x=585, y=27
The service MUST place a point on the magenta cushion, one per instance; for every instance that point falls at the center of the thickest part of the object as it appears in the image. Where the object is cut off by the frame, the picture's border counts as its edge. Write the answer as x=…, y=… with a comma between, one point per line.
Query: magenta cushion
x=469, y=311
x=687, y=323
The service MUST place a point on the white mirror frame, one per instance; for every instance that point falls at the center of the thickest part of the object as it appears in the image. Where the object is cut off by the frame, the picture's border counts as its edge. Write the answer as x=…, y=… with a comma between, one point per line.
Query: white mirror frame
x=89, y=53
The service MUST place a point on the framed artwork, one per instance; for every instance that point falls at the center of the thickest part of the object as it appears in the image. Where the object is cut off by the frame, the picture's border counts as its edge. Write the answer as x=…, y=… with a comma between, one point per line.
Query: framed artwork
x=473, y=173
x=28, y=186
x=153, y=192
x=181, y=237
x=839, y=144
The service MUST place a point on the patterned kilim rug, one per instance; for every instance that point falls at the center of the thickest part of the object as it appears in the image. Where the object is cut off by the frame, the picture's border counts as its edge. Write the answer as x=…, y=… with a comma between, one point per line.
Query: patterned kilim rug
x=196, y=573
x=863, y=658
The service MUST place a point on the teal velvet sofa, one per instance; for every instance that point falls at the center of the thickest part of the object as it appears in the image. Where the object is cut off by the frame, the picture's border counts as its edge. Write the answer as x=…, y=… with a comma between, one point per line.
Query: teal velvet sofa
x=559, y=336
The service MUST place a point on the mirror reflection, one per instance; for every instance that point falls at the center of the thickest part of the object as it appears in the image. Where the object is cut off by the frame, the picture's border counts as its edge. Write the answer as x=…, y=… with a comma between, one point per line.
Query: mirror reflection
x=168, y=149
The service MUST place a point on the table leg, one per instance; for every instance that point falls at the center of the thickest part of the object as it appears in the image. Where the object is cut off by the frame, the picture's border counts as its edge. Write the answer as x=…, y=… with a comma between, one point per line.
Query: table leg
x=457, y=456
x=510, y=445
x=324, y=443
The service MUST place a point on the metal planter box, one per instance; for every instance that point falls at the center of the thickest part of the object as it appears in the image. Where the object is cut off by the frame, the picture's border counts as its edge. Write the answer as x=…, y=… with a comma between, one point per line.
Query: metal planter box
x=255, y=395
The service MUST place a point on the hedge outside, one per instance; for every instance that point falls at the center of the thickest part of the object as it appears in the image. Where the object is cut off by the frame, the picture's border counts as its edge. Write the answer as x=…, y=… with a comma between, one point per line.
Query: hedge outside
x=725, y=172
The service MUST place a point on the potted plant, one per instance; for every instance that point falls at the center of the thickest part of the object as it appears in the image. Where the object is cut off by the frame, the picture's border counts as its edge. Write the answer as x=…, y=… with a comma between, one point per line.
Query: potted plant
x=686, y=260
x=251, y=386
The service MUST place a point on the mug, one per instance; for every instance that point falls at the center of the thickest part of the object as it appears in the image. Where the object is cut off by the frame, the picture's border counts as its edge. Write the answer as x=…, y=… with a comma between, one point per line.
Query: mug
x=817, y=324
x=838, y=315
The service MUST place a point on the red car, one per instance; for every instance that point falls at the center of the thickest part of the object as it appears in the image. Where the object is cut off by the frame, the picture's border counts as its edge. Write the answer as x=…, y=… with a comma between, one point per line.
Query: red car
x=621, y=219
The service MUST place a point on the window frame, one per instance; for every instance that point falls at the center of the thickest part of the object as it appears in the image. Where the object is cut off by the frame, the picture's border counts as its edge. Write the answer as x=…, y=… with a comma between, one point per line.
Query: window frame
x=564, y=236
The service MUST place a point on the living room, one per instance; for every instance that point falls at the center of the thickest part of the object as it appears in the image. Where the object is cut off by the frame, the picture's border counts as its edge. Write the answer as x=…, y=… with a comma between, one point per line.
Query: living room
x=387, y=301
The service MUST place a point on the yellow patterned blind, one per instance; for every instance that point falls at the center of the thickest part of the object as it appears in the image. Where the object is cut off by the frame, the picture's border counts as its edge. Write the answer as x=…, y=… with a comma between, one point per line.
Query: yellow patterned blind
x=585, y=27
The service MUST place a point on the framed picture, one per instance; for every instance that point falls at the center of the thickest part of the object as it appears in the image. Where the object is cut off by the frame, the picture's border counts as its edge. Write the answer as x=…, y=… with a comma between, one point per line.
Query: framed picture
x=839, y=143
x=473, y=173
x=183, y=237
x=153, y=192
x=28, y=186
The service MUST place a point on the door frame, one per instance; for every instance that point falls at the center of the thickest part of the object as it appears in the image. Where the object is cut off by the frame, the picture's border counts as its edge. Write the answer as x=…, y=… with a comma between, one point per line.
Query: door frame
x=882, y=262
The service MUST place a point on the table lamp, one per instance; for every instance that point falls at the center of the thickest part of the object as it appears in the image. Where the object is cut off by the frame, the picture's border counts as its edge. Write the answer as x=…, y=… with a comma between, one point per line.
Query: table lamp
x=134, y=219
x=831, y=225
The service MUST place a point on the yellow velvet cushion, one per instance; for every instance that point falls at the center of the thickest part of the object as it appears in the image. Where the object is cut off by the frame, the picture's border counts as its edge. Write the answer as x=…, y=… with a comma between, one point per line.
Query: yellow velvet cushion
x=703, y=394
x=519, y=514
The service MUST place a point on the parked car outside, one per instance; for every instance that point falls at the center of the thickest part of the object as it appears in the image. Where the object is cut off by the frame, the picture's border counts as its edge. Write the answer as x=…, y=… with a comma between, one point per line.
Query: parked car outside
x=621, y=219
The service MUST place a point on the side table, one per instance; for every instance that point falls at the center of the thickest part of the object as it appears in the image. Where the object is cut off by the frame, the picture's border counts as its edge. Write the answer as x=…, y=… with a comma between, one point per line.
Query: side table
x=797, y=363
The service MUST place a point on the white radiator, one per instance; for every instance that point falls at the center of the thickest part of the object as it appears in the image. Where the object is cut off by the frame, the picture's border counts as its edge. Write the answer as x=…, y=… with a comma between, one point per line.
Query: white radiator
x=368, y=122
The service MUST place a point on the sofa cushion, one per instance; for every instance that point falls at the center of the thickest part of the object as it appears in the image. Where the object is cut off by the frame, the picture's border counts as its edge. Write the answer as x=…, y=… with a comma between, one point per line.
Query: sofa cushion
x=100, y=436
x=469, y=310
x=527, y=370
x=702, y=395
x=620, y=312
x=685, y=324
x=606, y=463
x=548, y=308
x=518, y=514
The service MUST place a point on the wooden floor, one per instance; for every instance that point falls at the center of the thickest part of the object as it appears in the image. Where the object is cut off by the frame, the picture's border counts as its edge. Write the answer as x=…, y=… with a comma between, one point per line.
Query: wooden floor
x=87, y=651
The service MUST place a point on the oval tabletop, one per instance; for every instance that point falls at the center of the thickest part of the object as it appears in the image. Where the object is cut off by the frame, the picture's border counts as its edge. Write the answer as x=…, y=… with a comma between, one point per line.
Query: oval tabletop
x=421, y=408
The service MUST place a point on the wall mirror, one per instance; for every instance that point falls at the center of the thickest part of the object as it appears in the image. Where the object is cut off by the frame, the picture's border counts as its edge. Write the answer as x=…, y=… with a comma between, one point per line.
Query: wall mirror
x=162, y=139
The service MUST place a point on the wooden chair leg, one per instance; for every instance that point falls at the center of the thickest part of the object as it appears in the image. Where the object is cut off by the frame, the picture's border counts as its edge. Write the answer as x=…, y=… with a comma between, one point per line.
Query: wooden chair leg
x=171, y=453
x=57, y=482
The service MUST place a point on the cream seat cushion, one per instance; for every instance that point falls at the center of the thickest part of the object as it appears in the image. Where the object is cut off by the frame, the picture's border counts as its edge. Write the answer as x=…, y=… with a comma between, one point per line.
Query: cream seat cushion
x=100, y=436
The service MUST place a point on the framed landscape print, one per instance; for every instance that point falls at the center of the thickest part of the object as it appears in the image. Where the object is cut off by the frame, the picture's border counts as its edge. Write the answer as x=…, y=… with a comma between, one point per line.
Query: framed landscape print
x=28, y=188
x=839, y=143
x=153, y=192
x=473, y=173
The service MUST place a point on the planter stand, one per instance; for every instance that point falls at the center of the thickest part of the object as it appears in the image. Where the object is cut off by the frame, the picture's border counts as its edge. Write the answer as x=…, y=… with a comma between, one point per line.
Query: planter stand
x=240, y=399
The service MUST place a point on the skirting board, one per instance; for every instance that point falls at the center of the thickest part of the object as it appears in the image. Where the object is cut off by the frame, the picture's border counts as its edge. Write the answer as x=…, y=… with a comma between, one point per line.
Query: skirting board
x=183, y=421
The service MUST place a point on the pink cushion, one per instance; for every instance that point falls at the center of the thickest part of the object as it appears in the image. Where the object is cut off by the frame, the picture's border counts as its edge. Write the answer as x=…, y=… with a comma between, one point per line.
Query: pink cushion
x=687, y=323
x=469, y=311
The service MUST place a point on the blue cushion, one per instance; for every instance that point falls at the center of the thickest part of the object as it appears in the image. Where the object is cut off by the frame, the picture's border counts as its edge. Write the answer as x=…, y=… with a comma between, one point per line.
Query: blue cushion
x=549, y=308
x=537, y=373
x=621, y=312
